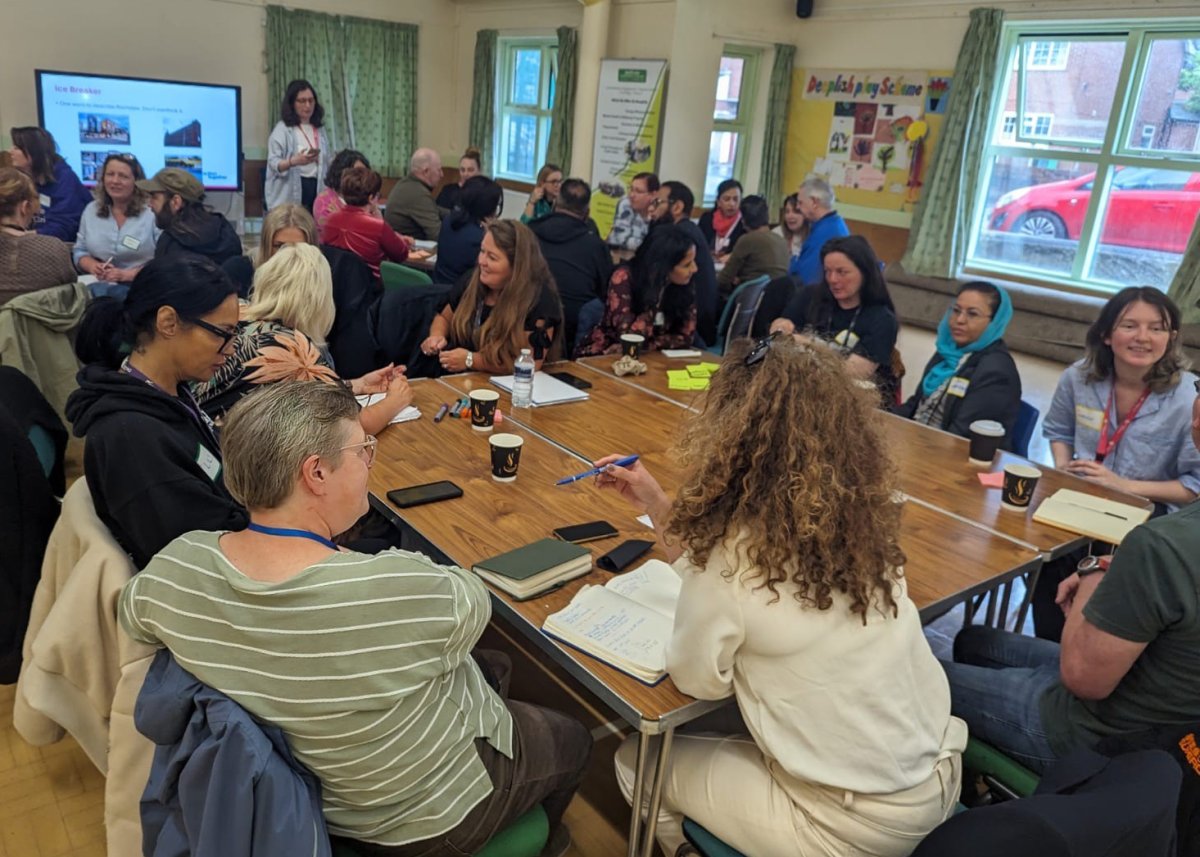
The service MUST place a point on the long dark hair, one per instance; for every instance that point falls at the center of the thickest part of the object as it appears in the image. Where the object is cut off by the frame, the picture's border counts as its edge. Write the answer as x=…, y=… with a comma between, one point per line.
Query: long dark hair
x=1164, y=374
x=480, y=198
x=192, y=285
x=651, y=268
x=39, y=146
x=287, y=109
x=874, y=287
x=342, y=161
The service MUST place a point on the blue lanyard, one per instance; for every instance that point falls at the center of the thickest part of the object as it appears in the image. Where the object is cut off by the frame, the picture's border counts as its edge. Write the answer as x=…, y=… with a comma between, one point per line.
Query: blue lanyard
x=291, y=534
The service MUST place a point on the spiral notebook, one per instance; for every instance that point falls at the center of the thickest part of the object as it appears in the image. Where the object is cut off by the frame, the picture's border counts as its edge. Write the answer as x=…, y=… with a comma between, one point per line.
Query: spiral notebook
x=547, y=390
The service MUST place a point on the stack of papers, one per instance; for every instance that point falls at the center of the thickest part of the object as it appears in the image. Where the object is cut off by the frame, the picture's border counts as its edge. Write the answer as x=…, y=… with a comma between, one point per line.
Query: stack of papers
x=547, y=390
x=693, y=377
x=412, y=412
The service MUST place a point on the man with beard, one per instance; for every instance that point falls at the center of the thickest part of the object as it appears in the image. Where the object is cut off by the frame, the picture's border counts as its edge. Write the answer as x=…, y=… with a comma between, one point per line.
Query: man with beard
x=187, y=224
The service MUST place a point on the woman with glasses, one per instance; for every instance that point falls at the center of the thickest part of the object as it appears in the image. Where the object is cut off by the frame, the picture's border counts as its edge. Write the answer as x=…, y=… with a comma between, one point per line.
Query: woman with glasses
x=842, y=741
x=151, y=456
x=972, y=376
x=545, y=192
x=480, y=202
x=366, y=662
x=117, y=232
x=299, y=150
x=281, y=337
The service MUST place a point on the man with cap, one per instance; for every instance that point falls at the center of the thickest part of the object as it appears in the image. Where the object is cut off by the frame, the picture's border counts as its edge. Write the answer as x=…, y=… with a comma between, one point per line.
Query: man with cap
x=187, y=224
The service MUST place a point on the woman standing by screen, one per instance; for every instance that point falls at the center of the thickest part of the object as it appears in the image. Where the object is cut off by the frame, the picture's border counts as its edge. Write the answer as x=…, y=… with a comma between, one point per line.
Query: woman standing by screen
x=297, y=150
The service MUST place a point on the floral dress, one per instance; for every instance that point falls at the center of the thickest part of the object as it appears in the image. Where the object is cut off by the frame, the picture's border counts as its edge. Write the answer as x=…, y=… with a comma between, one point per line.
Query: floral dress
x=619, y=318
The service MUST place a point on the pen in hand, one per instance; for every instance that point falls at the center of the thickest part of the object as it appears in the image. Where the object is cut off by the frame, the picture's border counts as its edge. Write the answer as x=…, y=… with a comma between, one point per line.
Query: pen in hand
x=596, y=471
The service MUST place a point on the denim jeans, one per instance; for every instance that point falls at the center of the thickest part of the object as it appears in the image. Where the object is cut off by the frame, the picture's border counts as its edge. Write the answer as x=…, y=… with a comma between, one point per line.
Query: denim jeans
x=997, y=681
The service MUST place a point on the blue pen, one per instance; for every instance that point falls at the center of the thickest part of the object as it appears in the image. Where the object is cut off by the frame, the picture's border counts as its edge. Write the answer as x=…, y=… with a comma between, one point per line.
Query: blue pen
x=596, y=471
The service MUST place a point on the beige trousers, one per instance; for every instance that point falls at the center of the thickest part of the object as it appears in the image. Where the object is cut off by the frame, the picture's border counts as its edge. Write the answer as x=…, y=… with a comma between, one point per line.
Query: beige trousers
x=725, y=783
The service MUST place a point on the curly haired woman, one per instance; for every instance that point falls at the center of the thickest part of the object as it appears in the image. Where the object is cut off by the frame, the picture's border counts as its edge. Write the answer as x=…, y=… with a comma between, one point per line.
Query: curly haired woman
x=786, y=535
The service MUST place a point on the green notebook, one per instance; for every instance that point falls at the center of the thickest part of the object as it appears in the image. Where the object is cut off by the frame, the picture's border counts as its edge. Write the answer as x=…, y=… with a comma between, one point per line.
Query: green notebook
x=535, y=568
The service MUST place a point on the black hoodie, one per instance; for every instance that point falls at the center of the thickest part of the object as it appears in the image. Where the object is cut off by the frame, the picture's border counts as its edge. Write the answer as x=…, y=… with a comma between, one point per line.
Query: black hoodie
x=578, y=259
x=207, y=233
x=153, y=469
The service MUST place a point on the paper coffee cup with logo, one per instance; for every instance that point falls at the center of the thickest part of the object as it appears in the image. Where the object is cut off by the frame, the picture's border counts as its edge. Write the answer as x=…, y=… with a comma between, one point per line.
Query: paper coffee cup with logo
x=1020, y=481
x=631, y=344
x=986, y=437
x=506, y=455
x=483, y=409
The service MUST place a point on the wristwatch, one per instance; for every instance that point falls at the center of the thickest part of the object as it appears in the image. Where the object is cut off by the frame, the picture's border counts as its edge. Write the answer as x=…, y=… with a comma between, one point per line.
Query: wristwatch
x=1092, y=565
x=470, y=359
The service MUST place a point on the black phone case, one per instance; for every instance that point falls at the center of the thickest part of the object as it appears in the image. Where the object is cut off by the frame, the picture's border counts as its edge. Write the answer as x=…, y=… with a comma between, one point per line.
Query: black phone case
x=560, y=534
x=574, y=380
x=619, y=558
x=397, y=496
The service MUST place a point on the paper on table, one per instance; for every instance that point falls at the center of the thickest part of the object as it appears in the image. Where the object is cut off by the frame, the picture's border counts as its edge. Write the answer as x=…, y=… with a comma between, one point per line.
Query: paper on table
x=645, y=519
x=407, y=415
x=680, y=353
x=992, y=480
x=547, y=390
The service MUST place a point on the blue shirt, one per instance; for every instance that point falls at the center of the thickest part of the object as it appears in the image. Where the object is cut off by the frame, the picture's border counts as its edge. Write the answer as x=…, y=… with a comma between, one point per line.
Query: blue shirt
x=1157, y=446
x=129, y=246
x=63, y=200
x=807, y=266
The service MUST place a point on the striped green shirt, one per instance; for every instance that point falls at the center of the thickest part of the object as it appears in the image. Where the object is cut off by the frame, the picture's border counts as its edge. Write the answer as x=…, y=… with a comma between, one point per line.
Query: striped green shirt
x=364, y=661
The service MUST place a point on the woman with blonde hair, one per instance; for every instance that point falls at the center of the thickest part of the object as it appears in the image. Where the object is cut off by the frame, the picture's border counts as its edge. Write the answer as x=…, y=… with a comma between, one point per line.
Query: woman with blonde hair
x=509, y=303
x=545, y=192
x=116, y=232
x=786, y=535
x=285, y=224
x=281, y=336
x=28, y=261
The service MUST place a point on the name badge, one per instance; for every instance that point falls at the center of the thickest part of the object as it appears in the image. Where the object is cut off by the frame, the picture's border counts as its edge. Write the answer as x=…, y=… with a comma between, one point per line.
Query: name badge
x=209, y=463
x=958, y=386
x=130, y=242
x=44, y=200
x=847, y=339
x=660, y=320
x=1092, y=418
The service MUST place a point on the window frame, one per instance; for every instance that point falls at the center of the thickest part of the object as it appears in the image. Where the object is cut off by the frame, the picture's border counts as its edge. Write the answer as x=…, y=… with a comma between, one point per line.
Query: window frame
x=506, y=49
x=1113, y=151
x=744, y=124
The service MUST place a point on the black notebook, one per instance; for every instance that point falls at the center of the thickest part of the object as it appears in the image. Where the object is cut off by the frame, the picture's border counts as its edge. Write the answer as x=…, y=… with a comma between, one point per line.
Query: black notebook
x=535, y=568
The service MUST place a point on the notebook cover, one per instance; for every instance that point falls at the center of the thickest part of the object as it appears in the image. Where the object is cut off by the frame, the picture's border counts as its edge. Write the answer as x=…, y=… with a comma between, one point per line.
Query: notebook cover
x=524, y=562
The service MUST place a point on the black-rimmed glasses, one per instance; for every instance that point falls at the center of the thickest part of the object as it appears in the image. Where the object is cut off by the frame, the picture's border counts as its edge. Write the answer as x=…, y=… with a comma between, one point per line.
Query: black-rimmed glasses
x=226, y=336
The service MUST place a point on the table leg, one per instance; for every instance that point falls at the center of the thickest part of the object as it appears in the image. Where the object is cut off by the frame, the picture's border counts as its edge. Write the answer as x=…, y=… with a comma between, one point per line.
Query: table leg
x=664, y=752
x=639, y=781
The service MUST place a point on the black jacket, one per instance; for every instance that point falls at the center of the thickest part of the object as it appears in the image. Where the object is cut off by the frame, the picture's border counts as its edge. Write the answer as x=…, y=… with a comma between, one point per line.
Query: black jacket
x=356, y=294
x=705, y=282
x=710, y=233
x=578, y=259
x=152, y=468
x=993, y=392
x=211, y=235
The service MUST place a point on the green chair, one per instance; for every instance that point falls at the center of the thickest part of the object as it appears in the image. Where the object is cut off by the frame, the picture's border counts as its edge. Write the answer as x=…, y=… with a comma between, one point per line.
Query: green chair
x=707, y=844
x=525, y=837
x=397, y=276
x=737, y=318
x=1001, y=774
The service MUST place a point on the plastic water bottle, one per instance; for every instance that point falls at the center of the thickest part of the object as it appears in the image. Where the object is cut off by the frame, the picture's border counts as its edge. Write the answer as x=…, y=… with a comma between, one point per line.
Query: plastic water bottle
x=522, y=392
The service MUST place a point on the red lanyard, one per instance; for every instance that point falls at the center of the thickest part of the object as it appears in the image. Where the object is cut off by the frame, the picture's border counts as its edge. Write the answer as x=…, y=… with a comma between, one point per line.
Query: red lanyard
x=1106, y=443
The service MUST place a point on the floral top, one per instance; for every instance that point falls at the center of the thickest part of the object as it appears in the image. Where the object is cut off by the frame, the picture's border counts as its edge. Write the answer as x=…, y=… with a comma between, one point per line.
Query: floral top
x=266, y=351
x=619, y=318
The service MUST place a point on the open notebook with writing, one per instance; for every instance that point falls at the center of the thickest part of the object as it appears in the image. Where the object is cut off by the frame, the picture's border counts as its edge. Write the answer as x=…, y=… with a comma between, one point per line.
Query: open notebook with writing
x=626, y=623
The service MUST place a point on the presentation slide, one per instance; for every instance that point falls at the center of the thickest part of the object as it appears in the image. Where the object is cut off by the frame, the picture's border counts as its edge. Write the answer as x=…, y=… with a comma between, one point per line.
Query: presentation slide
x=193, y=126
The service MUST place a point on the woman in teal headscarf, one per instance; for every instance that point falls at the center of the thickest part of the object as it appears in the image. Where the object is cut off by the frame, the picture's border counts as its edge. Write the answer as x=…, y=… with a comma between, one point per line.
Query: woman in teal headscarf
x=972, y=376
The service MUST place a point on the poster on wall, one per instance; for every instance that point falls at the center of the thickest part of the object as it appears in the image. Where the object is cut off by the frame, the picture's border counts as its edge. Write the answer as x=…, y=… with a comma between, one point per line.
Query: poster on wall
x=876, y=129
x=628, y=130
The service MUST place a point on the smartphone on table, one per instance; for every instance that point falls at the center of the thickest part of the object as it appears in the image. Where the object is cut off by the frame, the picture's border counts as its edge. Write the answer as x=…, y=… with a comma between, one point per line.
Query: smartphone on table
x=579, y=533
x=419, y=495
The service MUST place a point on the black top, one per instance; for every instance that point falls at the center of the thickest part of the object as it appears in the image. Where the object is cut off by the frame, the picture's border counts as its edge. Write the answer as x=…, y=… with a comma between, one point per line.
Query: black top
x=457, y=251
x=578, y=259
x=153, y=465
x=710, y=233
x=993, y=392
x=705, y=281
x=868, y=331
x=449, y=196
x=546, y=309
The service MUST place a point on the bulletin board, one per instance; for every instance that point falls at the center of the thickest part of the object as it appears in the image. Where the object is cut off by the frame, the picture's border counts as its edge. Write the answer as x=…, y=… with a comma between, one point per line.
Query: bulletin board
x=869, y=133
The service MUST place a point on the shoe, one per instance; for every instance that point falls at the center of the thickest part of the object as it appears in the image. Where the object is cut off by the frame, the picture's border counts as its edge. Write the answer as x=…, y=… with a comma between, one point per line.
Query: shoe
x=558, y=843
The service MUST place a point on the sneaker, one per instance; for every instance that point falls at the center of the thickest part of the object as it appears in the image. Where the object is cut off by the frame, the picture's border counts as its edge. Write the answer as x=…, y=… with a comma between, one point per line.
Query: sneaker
x=558, y=843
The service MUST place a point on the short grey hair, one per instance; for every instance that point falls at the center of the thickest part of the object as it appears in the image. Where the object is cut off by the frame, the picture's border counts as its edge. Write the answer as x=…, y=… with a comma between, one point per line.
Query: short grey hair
x=269, y=434
x=818, y=189
x=422, y=158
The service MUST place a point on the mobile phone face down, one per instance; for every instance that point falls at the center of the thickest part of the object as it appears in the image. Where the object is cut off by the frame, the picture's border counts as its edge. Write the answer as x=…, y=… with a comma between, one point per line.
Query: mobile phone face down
x=418, y=495
x=579, y=533
x=568, y=378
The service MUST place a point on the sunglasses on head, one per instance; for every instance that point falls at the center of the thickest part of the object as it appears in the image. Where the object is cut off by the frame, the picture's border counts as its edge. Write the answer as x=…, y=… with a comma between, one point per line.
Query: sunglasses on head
x=760, y=349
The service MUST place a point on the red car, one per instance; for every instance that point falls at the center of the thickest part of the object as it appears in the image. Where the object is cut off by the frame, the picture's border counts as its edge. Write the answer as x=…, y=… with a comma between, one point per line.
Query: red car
x=1147, y=208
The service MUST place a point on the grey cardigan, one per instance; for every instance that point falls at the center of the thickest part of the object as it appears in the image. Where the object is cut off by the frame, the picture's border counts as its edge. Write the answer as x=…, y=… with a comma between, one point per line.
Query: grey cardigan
x=281, y=145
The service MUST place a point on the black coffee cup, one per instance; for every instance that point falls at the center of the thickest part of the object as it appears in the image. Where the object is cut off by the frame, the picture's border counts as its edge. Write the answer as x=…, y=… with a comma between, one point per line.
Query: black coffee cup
x=986, y=437
x=483, y=409
x=506, y=456
x=1020, y=481
x=631, y=344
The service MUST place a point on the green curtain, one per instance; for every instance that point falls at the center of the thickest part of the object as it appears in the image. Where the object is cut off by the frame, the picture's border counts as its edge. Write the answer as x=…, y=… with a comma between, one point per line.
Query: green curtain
x=483, y=97
x=1185, y=287
x=364, y=72
x=381, y=88
x=770, y=184
x=307, y=45
x=562, y=111
x=941, y=224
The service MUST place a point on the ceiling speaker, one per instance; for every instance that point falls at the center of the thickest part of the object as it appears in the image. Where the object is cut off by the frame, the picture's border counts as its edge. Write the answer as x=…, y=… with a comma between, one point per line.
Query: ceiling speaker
x=804, y=8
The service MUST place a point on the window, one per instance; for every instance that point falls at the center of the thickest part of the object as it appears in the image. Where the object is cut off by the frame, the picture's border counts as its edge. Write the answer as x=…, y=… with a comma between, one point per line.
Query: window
x=529, y=70
x=734, y=104
x=1091, y=177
